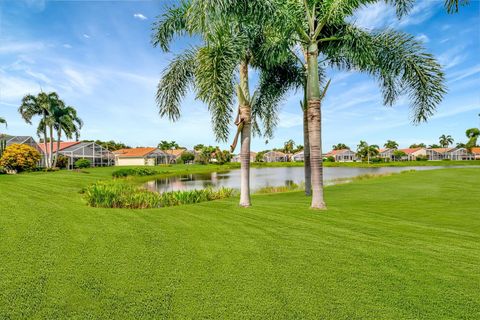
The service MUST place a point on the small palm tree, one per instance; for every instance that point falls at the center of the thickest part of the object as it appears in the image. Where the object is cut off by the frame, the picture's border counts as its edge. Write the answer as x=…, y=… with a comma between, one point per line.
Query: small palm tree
x=445, y=141
x=390, y=144
x=66, y=121
x=289, y=146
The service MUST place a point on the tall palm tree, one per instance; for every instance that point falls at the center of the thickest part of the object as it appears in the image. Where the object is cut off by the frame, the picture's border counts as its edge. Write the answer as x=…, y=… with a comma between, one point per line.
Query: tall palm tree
x=68, y=122
x=41, y=105
x=288, y=146
x=232, y=43
x=3, y=121
x=396, y=59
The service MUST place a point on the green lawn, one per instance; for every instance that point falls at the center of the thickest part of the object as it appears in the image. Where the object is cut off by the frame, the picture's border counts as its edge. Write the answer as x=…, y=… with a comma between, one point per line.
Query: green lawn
x=406, y=246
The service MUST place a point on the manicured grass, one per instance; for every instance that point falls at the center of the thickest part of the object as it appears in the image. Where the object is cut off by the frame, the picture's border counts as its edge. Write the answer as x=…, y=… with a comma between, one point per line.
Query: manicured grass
x=404, y=246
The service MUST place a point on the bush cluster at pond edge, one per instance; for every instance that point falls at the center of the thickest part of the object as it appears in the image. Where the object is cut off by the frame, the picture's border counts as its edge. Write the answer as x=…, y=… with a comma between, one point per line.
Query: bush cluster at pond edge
x=122, y=173
x=122, y=195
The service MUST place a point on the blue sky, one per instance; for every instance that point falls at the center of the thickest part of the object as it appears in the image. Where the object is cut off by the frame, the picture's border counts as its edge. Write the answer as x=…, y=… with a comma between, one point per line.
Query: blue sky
x=97, y=55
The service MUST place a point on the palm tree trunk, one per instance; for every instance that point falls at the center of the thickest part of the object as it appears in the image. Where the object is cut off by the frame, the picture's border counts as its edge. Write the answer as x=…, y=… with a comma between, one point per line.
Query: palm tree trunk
x=314, y=126
x=59, y=133
x=45, y=143
x=51, y=145
x=306, y=151
x=245, y=116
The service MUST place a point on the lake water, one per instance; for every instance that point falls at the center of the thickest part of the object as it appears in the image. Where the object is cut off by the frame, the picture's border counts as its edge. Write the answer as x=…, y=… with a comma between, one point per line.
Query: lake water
x=265, y=177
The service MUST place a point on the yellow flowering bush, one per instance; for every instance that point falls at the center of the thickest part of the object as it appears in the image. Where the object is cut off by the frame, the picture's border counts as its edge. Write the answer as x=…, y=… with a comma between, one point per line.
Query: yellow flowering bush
x=20, y=157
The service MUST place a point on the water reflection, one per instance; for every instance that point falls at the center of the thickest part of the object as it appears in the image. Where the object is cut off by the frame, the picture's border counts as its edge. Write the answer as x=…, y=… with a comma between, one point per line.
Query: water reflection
x=264, y=177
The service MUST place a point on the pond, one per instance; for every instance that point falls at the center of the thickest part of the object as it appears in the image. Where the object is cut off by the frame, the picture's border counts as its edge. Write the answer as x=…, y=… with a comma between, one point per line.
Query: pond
x=265, y=177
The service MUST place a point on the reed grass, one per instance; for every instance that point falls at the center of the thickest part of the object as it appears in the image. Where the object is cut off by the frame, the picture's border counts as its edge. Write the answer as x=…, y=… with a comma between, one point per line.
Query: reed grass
x=139, y=172
x=115, y=194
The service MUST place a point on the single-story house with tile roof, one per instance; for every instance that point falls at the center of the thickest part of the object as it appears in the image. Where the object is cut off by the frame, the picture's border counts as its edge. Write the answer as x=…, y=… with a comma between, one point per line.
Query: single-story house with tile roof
x=460, y=154
x=236, y=158
x=298, y=157
x=476, y=153
x=342, y=155
x=175, y=154
x=275, y=156
x=76, y=150
x=438, y=153
x=386, y=153
x=141, y=157
x=413, y=153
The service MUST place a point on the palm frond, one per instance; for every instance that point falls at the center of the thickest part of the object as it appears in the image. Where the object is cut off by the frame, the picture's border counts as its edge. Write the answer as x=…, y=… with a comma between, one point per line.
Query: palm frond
x=398, y=61
x=174, y=84
x=172, y=22
x=215, y=77
x=453, y=5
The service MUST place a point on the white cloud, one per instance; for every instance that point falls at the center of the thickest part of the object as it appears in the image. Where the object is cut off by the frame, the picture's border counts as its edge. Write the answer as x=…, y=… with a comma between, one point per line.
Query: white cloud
x=67, y=46
x=86, y=36
x=83, y=81
x=452, y=57
x=465, y=73
x=423, y=38
x=139, y=16
x=19, y=47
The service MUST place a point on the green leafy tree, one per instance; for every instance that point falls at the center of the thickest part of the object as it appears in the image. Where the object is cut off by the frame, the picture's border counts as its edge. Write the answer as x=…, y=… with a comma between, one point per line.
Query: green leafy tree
x=186, y=157
x=366, y=151
x=434, y=146
x=472, y=135
x=418, y=145
x=399, y=154
x=340, y=146
x=168, y=145
x=289, y=146
x=390, y=144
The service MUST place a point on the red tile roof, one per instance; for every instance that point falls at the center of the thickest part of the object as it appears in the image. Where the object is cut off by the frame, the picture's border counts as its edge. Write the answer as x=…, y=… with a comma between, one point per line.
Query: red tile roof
x=63, y=145
x=476, y=150
x=134, y=152
x=410, y=150
x=340, y=151
x=441, y=150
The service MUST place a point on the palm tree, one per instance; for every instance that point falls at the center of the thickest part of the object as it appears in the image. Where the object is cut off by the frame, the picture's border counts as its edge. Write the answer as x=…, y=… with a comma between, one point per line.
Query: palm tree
x=366, y=151
x=472, y=134
x=390, y=144
x=3, y=121
x=340, y=146
x=41, y=105
x=66, y=121
x=288, y=146
x=396, y=59
x=445, y=141
x=452, y=5
x=231, y=41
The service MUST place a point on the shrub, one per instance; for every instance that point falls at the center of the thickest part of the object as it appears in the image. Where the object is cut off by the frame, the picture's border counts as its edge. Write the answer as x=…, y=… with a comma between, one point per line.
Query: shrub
x=20, y=157
x=82, y=163
x=2, y=170
x=122, y=195
x=329, y=159
x=62, y=161
x=422, y=158
x=122, y=173
x=186, y=157
x=286, y=188
x=376, y=160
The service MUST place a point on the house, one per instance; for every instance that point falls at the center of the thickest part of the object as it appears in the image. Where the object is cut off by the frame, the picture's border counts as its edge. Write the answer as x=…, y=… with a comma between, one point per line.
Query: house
x=27, y=140
x=342, y=155
x=460, y=154
x=174, y=154
x=275, y=156
x=253, y=157
x=387, y=153
x=413, y=153
x=141, y=157
x=298, y=157
x=476, y=153
x=438, y=153
x=76, y=150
